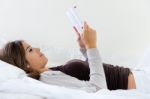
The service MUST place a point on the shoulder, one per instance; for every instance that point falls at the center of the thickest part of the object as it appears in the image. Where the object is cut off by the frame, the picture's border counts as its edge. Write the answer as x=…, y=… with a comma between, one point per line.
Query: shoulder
x=50, y=73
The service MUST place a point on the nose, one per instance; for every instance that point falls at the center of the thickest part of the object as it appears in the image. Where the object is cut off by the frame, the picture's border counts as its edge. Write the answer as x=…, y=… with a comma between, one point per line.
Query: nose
x=38, y=49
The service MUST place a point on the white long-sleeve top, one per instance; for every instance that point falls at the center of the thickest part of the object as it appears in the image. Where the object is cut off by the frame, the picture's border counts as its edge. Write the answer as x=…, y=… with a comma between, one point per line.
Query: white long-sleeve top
x=97, y=76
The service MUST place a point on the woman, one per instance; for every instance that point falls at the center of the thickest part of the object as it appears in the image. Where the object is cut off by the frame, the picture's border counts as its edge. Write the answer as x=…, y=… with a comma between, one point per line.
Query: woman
x=90, y=75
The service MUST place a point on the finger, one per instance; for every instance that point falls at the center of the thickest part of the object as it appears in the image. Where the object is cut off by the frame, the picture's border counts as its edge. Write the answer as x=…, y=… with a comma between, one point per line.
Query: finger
x=78, y=34
x=76, y=30
x=85, y=27
x=88, y=27
x=82, y=35
x=85, y=24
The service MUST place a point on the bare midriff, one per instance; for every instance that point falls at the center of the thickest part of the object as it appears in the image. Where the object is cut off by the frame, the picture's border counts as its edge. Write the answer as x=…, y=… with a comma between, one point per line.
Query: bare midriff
x=131, y=82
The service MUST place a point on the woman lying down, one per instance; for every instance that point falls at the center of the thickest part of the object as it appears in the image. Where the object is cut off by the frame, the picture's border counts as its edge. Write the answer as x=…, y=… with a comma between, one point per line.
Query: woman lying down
x=90, y=75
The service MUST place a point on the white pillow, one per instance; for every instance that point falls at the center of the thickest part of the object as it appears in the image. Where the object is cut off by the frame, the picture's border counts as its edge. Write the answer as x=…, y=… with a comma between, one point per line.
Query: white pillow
x=8, y=71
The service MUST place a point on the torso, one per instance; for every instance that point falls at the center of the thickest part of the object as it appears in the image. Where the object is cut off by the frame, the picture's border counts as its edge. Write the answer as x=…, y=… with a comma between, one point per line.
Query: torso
x=122, y=77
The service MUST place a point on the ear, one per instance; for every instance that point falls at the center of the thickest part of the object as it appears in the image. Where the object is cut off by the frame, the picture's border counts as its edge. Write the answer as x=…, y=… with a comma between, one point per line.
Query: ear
x=28, y=66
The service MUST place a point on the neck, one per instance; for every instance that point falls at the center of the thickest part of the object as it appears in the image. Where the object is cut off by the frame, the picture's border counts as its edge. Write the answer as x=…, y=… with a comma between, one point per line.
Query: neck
x=43, y=70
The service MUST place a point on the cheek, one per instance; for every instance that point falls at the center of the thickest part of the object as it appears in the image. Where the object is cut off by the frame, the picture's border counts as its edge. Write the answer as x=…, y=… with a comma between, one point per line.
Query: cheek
x=32, y=59
x=36, y=60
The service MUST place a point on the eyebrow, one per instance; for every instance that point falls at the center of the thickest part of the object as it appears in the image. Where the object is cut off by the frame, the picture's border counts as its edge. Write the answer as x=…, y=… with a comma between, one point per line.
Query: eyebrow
x=28, y=48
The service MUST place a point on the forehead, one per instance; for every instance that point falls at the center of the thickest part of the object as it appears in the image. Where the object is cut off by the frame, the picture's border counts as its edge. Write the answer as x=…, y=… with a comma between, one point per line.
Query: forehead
x=25, y=44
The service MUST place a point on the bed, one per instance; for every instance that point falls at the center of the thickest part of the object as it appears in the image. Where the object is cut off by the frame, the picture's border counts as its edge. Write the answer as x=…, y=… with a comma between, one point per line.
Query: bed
x=15, y=84
x=4, y=95
x=29, y=88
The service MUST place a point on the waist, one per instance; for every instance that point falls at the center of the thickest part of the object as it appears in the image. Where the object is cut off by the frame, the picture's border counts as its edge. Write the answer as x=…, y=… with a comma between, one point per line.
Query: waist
x=116, y=76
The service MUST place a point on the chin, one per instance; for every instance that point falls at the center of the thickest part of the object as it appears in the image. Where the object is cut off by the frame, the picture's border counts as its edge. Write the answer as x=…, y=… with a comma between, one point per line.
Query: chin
x=45, y=61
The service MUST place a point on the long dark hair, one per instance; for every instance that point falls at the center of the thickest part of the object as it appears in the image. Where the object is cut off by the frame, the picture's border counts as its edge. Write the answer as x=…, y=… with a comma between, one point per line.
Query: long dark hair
x=14, y=53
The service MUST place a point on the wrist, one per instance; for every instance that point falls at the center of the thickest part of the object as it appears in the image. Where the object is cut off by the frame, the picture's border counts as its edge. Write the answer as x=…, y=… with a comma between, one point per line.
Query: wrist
x=82, y=46
x=90, y=46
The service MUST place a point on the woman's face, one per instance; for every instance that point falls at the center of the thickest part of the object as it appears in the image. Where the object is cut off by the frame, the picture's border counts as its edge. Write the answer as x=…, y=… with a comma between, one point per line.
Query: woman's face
x=36, y=59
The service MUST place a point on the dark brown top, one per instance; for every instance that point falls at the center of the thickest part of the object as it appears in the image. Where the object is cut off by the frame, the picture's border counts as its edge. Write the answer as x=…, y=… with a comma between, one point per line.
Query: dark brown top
x=116, y=76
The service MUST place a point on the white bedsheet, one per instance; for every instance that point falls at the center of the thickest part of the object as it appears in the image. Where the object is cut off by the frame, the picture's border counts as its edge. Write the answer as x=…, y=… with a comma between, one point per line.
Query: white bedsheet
x=18, y=96
x=30, y=86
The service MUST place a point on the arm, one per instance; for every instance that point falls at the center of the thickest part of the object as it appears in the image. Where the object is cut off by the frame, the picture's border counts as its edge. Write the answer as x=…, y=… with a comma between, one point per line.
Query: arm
x=84, y=52
x=81, y=43
x=97, y=75
x=87, y=43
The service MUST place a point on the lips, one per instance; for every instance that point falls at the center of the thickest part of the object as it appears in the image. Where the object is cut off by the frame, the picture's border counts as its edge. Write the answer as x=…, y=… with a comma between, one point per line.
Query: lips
x=41, y=55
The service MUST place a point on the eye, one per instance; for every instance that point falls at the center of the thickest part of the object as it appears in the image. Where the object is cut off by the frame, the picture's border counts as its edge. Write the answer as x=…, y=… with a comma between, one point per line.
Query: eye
x=30, y=50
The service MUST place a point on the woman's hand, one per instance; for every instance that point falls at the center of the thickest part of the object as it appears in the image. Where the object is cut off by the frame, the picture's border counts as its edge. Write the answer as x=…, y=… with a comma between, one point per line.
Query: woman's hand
x=79, y=39
x=89, y=36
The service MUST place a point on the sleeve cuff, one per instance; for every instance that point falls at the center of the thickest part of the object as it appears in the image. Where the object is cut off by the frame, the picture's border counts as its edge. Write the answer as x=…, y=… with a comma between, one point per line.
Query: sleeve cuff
x=93, y=53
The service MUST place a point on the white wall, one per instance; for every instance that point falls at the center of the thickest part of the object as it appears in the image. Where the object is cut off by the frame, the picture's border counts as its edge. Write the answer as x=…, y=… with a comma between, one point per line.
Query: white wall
x=122, y=25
